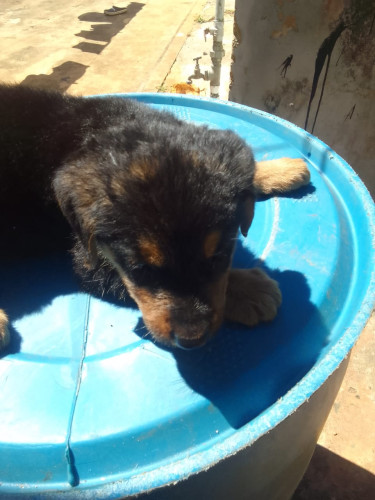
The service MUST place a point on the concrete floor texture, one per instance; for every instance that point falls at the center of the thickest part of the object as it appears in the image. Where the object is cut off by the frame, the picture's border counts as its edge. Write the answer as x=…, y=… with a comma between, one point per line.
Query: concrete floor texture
x=73, y=47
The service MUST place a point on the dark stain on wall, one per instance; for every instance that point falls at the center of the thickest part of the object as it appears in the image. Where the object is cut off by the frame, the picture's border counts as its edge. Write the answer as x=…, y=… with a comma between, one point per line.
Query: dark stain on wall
x=285, y=65
x=323, y=56
x=355, y=26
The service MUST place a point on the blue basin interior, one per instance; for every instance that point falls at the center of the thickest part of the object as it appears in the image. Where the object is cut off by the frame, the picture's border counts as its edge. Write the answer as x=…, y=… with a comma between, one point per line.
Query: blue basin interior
x=87, y=398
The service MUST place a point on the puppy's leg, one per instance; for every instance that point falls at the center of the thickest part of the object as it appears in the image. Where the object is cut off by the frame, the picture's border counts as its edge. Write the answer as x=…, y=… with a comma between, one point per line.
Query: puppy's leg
x=4, y=332
x=280, y=176
x=252, y=297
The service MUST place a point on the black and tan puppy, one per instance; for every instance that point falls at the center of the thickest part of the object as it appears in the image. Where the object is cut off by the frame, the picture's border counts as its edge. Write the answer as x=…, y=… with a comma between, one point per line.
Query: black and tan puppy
x=154, y=204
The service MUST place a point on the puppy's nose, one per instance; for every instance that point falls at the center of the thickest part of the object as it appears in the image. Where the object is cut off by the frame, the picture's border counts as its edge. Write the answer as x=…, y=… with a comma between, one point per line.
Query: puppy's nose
x=190, y=322
x=188, y=344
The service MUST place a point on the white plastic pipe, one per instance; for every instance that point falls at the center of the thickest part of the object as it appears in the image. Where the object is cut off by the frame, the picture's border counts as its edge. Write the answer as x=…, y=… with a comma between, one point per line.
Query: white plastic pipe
x=217, y=52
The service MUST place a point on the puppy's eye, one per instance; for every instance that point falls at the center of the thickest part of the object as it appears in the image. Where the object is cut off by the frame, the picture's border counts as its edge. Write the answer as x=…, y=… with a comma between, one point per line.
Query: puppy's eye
x=144, y=274
x=141, y=268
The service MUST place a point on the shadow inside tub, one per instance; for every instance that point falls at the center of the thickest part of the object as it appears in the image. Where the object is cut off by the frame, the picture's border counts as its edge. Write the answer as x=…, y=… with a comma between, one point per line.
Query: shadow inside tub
x=242, y=371
x=31, y=284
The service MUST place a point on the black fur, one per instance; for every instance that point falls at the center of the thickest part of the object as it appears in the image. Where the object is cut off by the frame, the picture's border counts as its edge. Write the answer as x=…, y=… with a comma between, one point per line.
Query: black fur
x=120, y=171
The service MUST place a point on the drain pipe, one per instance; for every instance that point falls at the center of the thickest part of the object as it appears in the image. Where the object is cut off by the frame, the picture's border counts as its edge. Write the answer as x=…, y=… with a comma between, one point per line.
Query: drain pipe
x=217, y=52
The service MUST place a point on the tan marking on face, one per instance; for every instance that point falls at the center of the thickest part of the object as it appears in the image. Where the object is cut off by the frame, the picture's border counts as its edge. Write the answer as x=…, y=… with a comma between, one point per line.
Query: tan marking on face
x=150, y=251
x=210, y=243
x=155, y=309
x=92, y=252
x=217, y=295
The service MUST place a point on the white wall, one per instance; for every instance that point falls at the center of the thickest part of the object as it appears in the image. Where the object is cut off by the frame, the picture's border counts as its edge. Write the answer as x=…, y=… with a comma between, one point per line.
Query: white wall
x=267, y=32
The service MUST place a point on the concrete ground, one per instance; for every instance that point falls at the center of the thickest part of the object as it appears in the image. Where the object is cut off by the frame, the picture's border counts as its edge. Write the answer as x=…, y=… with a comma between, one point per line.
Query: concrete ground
x=343, y=465
x=72, y=46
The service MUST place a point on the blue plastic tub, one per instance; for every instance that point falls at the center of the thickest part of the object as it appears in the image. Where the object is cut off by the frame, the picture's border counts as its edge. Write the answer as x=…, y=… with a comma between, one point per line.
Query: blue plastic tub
x=91, y=409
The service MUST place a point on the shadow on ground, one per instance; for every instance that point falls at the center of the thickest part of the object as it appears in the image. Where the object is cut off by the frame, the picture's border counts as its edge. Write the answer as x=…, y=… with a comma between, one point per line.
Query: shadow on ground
x=104, y=28
x=61, y=78
x=100, y=35
x=330, y=476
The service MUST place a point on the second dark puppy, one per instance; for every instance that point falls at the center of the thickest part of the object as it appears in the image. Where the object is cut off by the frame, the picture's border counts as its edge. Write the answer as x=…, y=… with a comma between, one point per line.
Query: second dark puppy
x=154, y=204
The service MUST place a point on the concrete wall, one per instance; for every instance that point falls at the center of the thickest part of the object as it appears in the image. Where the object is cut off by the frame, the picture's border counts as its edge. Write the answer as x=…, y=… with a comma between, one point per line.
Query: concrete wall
x=282, y=50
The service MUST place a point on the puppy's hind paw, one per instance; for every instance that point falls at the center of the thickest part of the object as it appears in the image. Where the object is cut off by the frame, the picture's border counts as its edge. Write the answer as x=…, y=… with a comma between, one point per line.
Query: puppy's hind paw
x=252, y=297
x=4, y=332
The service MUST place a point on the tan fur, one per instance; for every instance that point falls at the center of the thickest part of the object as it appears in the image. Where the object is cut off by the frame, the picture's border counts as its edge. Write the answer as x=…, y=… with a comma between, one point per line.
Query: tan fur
x=144, y=170
x=210, y=243
x=217, y=298
x=151, y=251
x=4, y=332
x=280, y=176
x=155, y=310
x=252, y=297
x=118, y=187
x=92, y=252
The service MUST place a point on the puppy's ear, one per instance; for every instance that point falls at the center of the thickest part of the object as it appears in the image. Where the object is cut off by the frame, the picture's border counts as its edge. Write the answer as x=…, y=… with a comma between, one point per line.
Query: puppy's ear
x=246, y=213
x=78, y=198
x=237, y=162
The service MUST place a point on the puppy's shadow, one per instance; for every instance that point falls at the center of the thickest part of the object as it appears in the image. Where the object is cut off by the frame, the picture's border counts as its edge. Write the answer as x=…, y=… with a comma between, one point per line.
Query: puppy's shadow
x=242, y=371
x=29, y=285
x=298, y=194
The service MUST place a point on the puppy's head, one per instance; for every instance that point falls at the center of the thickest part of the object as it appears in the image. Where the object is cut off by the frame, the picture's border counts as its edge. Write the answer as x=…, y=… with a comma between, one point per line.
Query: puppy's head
x=165, y=216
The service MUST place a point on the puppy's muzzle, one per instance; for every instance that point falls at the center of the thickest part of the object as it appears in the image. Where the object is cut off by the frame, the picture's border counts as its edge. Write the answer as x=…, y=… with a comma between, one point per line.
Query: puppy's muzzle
x=181, y=322
x=191, y=324
x=188, y=344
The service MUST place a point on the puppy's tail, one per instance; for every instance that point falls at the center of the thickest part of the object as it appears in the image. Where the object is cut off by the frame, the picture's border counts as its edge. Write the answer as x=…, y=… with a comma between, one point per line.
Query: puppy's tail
x=280, y=176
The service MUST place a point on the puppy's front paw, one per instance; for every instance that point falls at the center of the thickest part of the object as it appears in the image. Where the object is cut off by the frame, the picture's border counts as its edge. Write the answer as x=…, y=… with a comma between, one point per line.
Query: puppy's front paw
x=252, y=297
x=4, y=332
x=280, y=176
